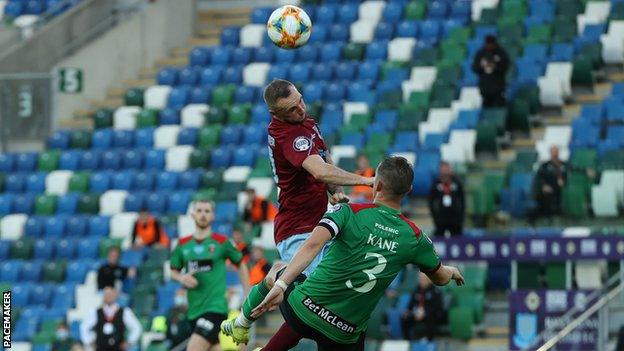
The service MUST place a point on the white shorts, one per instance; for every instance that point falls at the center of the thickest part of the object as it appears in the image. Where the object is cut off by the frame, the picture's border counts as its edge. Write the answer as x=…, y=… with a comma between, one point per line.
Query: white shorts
x=288, y=247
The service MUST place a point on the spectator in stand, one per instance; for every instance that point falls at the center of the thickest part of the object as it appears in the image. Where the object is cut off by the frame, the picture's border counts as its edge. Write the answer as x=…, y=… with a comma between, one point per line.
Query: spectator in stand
x=178, y=326
x=446, y=202
x=148, y=231
x=491, y=63
x=260, y=266
x=425, y=312
x=241, y=244
x=363, y=193
x=105, y=328
x=63, y=341
x=548, y=184
x=258, y=209
x=112, y=271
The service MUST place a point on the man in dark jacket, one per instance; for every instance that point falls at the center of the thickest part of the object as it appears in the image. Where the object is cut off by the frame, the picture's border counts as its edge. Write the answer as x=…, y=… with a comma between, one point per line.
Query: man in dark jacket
x=548, y=184
x=446, y=202
x=491, y=63
x=424, y=313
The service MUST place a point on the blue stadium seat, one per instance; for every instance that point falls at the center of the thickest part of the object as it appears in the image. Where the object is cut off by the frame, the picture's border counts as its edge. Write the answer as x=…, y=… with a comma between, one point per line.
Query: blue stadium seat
x=187, y=136
x=592, y=112
x=168, y=76
x=563, y=52
x=178, y=202
x=67, y=204
x=326, y=13
x=14, y=183
x=335, y=92
x=377, y=50
x=100, y=181
x=284, y=56
x=244, y=94
x=200, y=95
x=87, y=248
x=245, y=156
x=155, y=160
x=299, y=72
x=178, y=97
x=66, y=249
x=616, y=134
x=23, y=203
x=254, y=134
x=26, y=161
x=331, y=120
x=429, y=161
x=145, y=137
x=10, y=271
x=422, y=182
x=231, y=135
x=406, y=141
x=592, y=32
x=123, y=180
x=429, y=31
x=339, y=32
x=55, y=226
x=331, y=52
x=613, y=109
x=264, y=54
x=20, y=294
x=76, y=272
x=7, y=162
x=260, y=114
x=166, y=181
x=607, y=145
x=393, y=12
x=5, y=248
x=437, y=9
x=43, y=250
x=132, y=258
x=229, y=36
x=322, y=72
x=123, y=139
x=384, y=31
x=394, y=323
x=277, y=72
x=460, y=10
x=484, y=30
x=132, y=159
x=144, y=181
x=70, y=160
x=31, y=271
x=617, y=90
x=353, y=138
x=423, y=346
x=233, y=75
x=14, y=9
x=169, y=116
x=211, y=76
x=102, y=139
x=359, y=91
x=535, y=52
x=348, y=13
x=189, y=180
x=58, y=140
x=319, y=34
x=433, y=141
x=199, y=56
x=407, y=29
x=157, y=203
x=226, y=211
x=6, y=204
x=99, y=226
x=189, y=76
x=346, y=70
x=221, y=157
x=134, y=202
x=111, y=160
x=63, y=296
x=77, y=226
x=90, y=160
x=308, y=53
x=35, y=183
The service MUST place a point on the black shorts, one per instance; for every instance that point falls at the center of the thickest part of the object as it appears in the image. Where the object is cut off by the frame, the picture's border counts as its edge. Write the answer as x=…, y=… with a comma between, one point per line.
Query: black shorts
x=208, y=326
x=323, y=342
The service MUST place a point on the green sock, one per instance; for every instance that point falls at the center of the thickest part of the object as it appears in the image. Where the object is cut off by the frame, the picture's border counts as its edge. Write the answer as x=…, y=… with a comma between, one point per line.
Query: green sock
x=256, y=295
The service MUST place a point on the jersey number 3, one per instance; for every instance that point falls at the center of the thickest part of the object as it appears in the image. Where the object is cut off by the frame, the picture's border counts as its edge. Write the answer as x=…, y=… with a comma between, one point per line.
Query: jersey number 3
x=372, y=279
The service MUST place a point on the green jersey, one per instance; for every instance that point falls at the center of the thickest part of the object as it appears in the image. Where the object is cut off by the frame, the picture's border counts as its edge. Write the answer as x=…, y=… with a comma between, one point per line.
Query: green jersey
x=372, y=244
x=206, y=260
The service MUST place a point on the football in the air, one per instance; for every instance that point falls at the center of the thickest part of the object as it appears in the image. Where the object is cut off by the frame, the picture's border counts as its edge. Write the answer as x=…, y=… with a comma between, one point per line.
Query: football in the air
x=289, y=27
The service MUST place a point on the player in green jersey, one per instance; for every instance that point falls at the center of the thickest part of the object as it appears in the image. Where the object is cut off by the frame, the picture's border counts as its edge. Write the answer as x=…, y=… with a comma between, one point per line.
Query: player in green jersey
x=372, y=244
x=202, y=257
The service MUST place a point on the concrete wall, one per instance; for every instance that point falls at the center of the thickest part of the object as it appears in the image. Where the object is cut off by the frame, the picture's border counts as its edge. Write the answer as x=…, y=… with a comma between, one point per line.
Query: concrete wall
x=123, y=51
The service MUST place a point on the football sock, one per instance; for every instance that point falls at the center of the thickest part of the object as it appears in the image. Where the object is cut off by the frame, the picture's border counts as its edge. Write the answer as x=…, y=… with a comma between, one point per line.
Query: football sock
x=255, y=297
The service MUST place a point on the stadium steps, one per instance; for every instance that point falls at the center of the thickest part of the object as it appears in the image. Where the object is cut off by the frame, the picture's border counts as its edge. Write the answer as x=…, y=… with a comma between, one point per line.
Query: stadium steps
x=136, y=83
x=180, y=61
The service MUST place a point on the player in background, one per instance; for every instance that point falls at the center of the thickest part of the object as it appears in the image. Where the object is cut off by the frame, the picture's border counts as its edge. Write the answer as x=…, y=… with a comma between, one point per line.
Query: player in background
x=372, y=244
x=304, y=172
x=202, y=257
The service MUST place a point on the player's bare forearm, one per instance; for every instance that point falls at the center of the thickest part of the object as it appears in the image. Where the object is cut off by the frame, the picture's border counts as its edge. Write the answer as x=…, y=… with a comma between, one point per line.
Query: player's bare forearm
x=330, y=174
x=306, y=253
x=445, y=274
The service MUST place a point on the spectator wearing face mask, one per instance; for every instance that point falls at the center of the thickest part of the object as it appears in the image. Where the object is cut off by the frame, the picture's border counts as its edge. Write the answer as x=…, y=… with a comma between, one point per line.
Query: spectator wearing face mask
x=178, y=327
x=63, y=341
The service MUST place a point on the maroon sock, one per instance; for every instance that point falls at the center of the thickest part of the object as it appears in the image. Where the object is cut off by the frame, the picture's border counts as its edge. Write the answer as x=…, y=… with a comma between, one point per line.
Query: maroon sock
x=285, y=339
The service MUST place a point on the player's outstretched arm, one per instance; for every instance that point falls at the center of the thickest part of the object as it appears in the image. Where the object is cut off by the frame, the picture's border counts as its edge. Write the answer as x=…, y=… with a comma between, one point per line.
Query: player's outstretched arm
x=445, y=274
x=187, y=280
x=306, y=253
x=330, y=174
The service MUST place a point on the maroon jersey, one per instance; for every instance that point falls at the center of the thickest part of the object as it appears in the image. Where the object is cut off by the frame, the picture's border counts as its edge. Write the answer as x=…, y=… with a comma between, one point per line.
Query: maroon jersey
x=302, y=199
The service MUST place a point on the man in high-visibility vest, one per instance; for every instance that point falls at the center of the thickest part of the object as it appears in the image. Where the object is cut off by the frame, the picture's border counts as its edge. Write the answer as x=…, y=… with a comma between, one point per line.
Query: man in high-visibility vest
x=148, y=231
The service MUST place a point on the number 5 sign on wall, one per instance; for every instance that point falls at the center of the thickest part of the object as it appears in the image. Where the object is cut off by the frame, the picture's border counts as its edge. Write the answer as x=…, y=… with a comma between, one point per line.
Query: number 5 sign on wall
x=70, y=80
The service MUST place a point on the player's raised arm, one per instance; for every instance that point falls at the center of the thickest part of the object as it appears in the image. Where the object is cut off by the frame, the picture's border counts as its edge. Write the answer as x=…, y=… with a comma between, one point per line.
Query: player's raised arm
x=330, y=174
x=444, y=274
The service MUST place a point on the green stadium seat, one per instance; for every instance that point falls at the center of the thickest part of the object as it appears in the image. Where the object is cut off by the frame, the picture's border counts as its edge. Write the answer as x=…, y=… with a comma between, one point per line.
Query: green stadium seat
x=157, y=256
x=390, y=100
x=209, y=136
x=54, y=272
x=379, y=142
x=22, y=248
x=143, y=305
x=359, y=121
x=582, y=71
x=556, y=275
x=498, y=116
x=374, y=156
x=426, y=57
x=2, y=182
x=215, y=115
x=80, y=139
x=147, y=118
x=593, y=52
x=205, y=194
x=89, y=204
x=453, y=52
x=263, y=168
x=410, y=115
x=103, y=118
x=486, y=137
x=228, y=191
x=239, y=114
x=134, y=97
x=49, y=326
x=460, y=35
x=442, y=96
x=538, y=35
x=43, y=338
x=160, y=346
x=415, y=10
x=420, y=99
x=584, y=159
x=461, y=320
x=211, y=179
x=574, y=202
x=518, y=116
x=482, y=201
x=200, y=158
x=509, y=32
x=79, y=182
x=579, y=181
x=223, y=95
x=48, y=160
x=348, y=163
x=489, y=16
x=45, y=205
x=473, y=300
x=107, y=243
x=531, y=95
x=529, y=275
x=475, y=277
x=353, y=52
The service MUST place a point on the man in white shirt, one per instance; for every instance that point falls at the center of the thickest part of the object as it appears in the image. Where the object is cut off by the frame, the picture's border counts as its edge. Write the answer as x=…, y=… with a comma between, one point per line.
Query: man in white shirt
x=105, y=328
